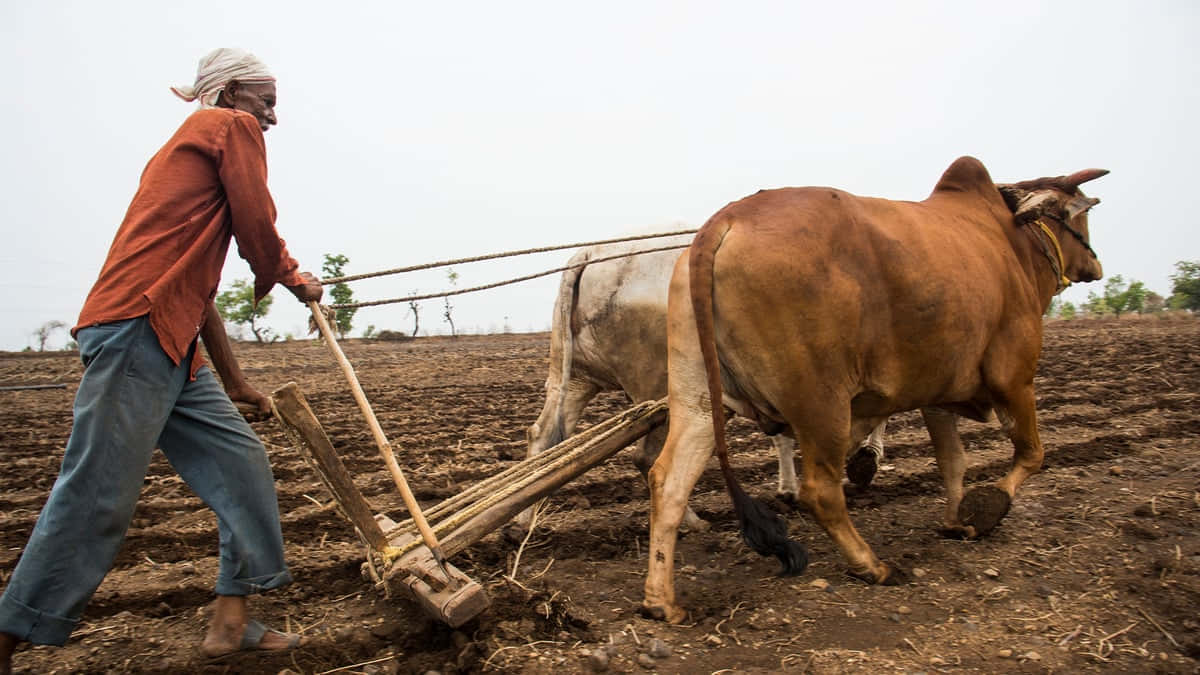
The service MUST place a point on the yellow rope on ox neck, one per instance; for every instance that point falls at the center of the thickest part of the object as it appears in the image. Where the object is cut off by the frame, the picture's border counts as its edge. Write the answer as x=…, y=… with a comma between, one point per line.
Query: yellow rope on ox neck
x=1062, y=265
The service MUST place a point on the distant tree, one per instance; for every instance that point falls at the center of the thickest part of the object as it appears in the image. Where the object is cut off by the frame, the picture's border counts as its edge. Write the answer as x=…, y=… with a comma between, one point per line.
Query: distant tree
x=415, y=308
x=1123, y=297
x=1185, y=286
x=370, y=331
x=1095, y=305
x=1066, y=311
x=42, y=334
x=449, y=308
x=1154, y=304
x=339, y=292
x=237, y=307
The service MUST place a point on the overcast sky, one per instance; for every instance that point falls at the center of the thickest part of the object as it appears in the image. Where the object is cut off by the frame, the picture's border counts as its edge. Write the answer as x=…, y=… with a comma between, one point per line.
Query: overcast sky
x=414, y=132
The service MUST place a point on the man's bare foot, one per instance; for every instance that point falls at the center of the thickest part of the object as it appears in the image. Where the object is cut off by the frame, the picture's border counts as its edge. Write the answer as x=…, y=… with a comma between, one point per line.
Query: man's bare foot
x=232, y=631
x=8, y=644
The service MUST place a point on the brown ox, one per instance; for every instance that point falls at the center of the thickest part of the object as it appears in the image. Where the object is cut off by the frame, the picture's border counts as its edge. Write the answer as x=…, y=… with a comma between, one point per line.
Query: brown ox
x=609, y=332
x=828, y=312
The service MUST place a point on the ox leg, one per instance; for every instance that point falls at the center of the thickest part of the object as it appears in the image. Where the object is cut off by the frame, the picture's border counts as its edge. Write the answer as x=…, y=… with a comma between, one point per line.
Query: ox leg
x=560, y=414
x=952, y=463
x=556, y=422
x=579, y=394
x=785, y=447
x=984, y=507
x=865, y=461
x=822, y=459
x=689, y=445
x=648, y=450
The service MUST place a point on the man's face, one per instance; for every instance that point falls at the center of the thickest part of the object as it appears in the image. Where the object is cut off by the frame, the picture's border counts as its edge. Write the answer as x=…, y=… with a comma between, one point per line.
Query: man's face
x=257, y=99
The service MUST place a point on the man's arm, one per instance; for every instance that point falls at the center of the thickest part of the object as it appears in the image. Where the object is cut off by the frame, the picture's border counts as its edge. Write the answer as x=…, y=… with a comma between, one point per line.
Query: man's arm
x=216, y=341
x=243, y=171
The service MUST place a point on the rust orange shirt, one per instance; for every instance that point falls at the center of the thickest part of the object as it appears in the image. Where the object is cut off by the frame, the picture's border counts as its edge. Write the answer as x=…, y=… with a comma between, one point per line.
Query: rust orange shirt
x=206, y=185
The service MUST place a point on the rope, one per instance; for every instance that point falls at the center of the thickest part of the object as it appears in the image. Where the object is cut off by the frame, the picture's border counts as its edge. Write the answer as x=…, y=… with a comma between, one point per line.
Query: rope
x=429, y=296
x=492, y=256
x=1058, y=267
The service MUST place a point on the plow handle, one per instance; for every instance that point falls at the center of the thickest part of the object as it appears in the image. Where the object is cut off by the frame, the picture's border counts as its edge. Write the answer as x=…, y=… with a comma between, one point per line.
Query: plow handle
x=385, y=448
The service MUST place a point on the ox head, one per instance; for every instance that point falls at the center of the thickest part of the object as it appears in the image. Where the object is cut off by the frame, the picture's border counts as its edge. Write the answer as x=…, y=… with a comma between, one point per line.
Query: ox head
x=1059, y=204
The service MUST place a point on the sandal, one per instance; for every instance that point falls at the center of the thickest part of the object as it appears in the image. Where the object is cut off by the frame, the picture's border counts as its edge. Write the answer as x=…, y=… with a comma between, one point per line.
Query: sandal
x=252, y=638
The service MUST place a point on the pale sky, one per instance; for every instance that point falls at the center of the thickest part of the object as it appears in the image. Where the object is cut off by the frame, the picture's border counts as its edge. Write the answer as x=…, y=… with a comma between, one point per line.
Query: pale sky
x=415, y=132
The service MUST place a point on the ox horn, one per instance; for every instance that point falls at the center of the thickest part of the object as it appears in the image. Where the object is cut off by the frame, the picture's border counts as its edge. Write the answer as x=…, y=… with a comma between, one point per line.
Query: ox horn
x=1080, y=177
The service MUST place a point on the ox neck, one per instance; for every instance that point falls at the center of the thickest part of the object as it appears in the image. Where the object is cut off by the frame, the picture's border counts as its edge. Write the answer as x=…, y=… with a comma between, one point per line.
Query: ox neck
x=1052, y=251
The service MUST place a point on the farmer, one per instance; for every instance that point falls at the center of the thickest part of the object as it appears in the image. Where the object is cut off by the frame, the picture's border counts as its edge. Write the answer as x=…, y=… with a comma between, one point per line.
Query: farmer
x=144, y=382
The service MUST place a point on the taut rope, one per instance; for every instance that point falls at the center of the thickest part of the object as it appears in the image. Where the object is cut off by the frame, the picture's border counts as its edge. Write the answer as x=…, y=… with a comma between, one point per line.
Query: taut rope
x=493, y=256
x=428, y=296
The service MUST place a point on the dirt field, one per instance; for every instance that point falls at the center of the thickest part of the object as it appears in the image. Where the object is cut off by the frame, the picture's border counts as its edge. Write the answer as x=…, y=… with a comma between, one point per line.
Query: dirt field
x=1096, y=569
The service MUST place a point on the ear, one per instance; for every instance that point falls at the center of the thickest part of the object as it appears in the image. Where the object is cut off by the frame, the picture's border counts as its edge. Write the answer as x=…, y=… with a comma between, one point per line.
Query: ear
x=1080, y=204
x=1012, y=195
x=226, y=98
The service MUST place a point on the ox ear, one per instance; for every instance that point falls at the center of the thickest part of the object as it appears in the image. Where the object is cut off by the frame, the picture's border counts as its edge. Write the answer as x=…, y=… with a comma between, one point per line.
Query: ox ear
x=1012, y=195
x=1080, y=204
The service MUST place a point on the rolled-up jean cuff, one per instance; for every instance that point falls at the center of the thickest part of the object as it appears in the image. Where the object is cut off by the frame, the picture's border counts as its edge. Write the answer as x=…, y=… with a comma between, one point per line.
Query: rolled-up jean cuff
x=253, y=584
x=33, y=625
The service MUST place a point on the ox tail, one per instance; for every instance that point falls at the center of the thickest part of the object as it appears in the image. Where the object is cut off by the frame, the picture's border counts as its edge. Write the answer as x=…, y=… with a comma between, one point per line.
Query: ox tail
x=568, y=299
x=762, y=529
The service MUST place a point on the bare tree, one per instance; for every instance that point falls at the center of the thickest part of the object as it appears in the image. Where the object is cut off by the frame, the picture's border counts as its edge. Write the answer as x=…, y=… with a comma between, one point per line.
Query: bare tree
x=415, y=308
x=42, y=334
x=453, y=277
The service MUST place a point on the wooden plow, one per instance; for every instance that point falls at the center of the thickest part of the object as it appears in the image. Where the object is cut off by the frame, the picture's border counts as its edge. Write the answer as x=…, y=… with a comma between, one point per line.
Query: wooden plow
x=407, y=562
x=413, y=552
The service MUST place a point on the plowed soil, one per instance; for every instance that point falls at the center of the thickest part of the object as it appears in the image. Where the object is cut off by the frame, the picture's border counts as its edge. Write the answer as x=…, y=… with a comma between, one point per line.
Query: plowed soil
x=1095, y=569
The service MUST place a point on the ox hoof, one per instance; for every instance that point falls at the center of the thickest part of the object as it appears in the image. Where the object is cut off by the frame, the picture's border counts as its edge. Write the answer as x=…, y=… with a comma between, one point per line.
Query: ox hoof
x=983, y=508
x=671, y=614
x=862, y=465
x=787, y=498
x=957, y=532
x=890, y=576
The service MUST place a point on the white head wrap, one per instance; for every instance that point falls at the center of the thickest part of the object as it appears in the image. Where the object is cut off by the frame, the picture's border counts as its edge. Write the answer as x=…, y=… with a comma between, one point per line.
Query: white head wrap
x=217, y=69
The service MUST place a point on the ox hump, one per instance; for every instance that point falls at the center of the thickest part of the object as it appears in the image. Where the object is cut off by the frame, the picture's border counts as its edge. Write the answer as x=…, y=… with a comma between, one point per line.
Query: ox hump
x=965, y=174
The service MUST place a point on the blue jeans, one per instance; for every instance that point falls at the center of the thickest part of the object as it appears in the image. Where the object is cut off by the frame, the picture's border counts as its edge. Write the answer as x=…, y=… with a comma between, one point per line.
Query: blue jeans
x=132, y=399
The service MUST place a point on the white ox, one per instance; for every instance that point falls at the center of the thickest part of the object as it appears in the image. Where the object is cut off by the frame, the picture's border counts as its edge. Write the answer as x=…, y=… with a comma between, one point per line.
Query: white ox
x=609, y=332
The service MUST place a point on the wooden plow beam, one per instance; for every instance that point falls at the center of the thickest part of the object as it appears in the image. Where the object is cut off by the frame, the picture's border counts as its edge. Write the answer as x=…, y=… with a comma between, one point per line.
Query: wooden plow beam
x=465, y=518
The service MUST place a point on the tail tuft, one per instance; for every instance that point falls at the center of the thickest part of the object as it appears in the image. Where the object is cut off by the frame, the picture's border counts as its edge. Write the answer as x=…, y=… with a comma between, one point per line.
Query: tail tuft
x=766, y=532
